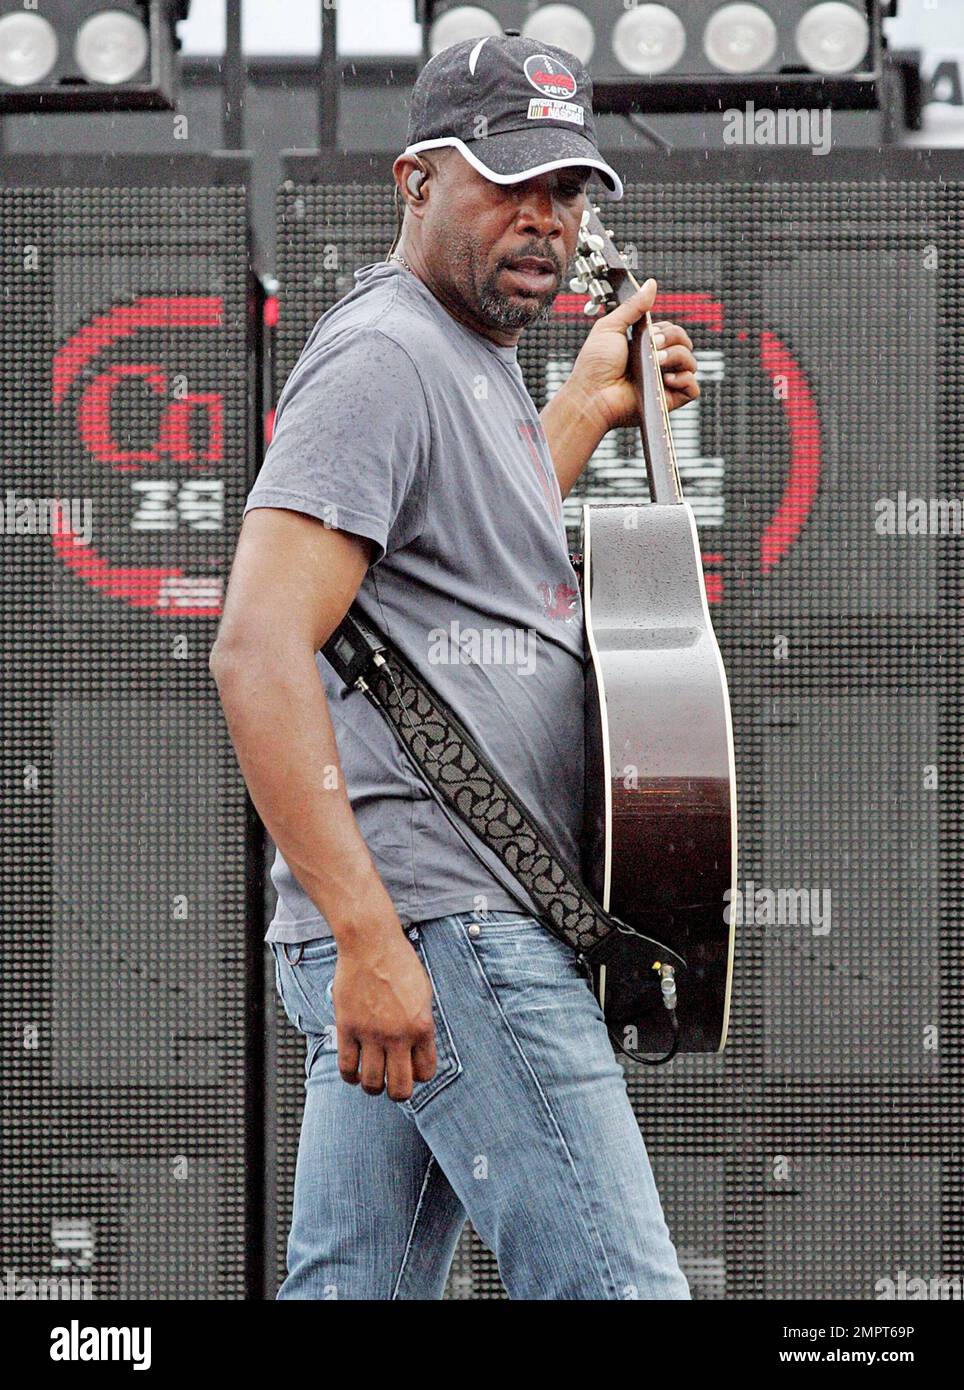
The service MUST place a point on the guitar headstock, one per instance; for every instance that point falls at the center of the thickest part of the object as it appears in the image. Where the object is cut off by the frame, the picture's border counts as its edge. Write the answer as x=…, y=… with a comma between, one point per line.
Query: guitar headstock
x=601, y=270
x=603, y=275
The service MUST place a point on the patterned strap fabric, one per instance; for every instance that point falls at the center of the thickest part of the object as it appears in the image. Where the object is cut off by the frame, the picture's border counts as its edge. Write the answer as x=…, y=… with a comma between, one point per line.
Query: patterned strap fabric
x=448, y=758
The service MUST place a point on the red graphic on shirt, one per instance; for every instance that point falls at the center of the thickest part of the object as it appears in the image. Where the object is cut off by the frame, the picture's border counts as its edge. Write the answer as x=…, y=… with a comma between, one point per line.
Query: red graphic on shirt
x=532, y=432
x=560, y=603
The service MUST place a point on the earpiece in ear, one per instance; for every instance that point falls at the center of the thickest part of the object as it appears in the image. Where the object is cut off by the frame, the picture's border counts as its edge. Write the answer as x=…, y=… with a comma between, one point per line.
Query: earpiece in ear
x=414, y=183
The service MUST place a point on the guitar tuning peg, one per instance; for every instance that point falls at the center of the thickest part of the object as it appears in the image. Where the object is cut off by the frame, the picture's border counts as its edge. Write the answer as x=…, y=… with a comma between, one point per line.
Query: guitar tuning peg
x=592, y=308
x=578, y=285
x=594, y=242
x=609, y=233
x=601, y=289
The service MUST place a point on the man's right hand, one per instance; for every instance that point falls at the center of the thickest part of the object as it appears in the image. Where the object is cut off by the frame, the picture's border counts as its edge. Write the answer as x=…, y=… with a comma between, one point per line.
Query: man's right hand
x=382, y=998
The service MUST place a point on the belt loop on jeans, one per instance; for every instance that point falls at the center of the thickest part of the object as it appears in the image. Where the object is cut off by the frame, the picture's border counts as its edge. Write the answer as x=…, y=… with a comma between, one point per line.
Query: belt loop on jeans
x=301, y=951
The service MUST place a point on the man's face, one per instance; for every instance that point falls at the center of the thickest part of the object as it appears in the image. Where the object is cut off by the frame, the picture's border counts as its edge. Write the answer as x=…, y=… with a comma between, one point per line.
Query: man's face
x=500, y=250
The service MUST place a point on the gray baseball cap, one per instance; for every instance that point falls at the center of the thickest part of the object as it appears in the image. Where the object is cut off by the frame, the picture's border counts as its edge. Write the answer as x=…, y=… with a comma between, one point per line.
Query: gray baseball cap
x=513, y=107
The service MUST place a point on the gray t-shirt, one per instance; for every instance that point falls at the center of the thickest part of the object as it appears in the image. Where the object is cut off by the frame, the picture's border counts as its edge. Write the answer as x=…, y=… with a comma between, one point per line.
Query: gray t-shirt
x=401, y=424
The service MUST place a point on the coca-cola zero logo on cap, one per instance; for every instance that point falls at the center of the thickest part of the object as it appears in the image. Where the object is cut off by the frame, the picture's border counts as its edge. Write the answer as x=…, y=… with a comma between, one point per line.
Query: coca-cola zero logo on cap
x=549, y=76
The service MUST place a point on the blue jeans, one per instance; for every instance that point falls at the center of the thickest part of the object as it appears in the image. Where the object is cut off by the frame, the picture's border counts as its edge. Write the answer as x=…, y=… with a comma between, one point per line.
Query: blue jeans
x=526, y=1127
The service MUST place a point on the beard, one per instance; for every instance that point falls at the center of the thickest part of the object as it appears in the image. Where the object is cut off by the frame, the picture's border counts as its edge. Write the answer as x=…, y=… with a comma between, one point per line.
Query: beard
x=500, y=310
x=494, y=307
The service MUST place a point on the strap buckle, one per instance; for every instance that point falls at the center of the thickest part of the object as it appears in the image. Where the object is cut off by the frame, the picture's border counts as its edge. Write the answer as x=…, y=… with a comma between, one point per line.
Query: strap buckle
x=350, y=651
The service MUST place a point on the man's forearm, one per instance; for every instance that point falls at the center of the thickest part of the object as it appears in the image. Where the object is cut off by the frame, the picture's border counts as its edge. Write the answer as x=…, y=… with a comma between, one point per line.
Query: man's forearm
x=573, y=425
x=277, y=714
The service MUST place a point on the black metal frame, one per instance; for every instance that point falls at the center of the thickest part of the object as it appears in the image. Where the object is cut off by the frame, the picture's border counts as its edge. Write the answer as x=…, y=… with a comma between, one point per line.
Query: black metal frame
x=236, y=70
x=738, y=162
x=130, y=167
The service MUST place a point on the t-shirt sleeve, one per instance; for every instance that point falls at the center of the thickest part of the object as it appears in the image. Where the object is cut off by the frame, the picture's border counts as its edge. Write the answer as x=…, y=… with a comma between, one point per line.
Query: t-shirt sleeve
x=351, y=443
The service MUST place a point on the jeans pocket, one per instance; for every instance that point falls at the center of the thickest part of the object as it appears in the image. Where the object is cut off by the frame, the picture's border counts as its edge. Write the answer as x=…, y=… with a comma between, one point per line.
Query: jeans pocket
x=304, y=979
x=318, y=951
x=448, y=1064
x=289, y=1000
x=523, y=960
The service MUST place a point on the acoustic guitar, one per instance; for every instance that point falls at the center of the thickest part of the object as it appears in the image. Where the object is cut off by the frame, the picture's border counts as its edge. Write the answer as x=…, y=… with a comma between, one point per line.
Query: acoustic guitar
x=660, y=847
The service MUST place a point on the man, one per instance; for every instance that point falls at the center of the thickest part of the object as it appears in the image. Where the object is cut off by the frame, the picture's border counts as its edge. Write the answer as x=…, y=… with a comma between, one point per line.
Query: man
x=457, y=1062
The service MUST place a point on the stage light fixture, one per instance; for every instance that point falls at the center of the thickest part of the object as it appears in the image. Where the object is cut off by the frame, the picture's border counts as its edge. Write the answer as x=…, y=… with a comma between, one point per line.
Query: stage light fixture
x=111, y=47
x=649, y=39
x=740, y=38
x=464, y=22
x=564, y=26
x=89, y=55
x=832, y=37
x=28, y=48
x=696, y=55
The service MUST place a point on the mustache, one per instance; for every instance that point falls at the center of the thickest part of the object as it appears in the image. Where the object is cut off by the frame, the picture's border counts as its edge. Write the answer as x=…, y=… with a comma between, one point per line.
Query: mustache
x=534, y=253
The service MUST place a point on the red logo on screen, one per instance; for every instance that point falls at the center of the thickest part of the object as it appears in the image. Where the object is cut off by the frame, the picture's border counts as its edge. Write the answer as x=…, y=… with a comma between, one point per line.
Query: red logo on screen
x=173, y=474
x=788, y=385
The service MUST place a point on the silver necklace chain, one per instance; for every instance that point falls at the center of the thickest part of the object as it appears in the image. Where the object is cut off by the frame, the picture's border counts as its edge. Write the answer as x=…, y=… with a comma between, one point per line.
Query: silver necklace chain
x=397, y=256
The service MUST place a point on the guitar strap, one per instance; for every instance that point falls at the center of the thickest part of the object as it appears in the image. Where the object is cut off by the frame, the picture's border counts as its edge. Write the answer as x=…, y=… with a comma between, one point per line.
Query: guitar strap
x=458, y=773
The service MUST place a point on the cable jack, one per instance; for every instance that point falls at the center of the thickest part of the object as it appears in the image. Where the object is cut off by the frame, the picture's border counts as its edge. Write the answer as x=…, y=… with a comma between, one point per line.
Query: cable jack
x=667, y=984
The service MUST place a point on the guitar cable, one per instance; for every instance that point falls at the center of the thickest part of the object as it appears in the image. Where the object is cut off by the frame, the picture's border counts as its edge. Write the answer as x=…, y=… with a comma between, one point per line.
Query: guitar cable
x=668, y=987
x=650, y=1061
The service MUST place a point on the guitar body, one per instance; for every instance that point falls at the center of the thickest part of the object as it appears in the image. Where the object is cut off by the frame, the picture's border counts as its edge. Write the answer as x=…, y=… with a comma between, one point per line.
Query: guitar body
x=660, y=824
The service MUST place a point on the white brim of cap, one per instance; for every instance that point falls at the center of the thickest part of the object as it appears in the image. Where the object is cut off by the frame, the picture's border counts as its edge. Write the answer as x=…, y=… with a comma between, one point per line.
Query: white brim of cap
x=579, y=161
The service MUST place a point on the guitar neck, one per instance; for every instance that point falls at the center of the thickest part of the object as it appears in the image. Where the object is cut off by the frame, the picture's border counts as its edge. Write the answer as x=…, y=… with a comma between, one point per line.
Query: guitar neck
x=659, y=450
x=604, y=275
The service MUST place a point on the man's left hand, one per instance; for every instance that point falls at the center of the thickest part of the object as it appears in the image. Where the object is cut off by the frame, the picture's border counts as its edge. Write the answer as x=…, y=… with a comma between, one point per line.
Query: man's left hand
x=600, y=368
